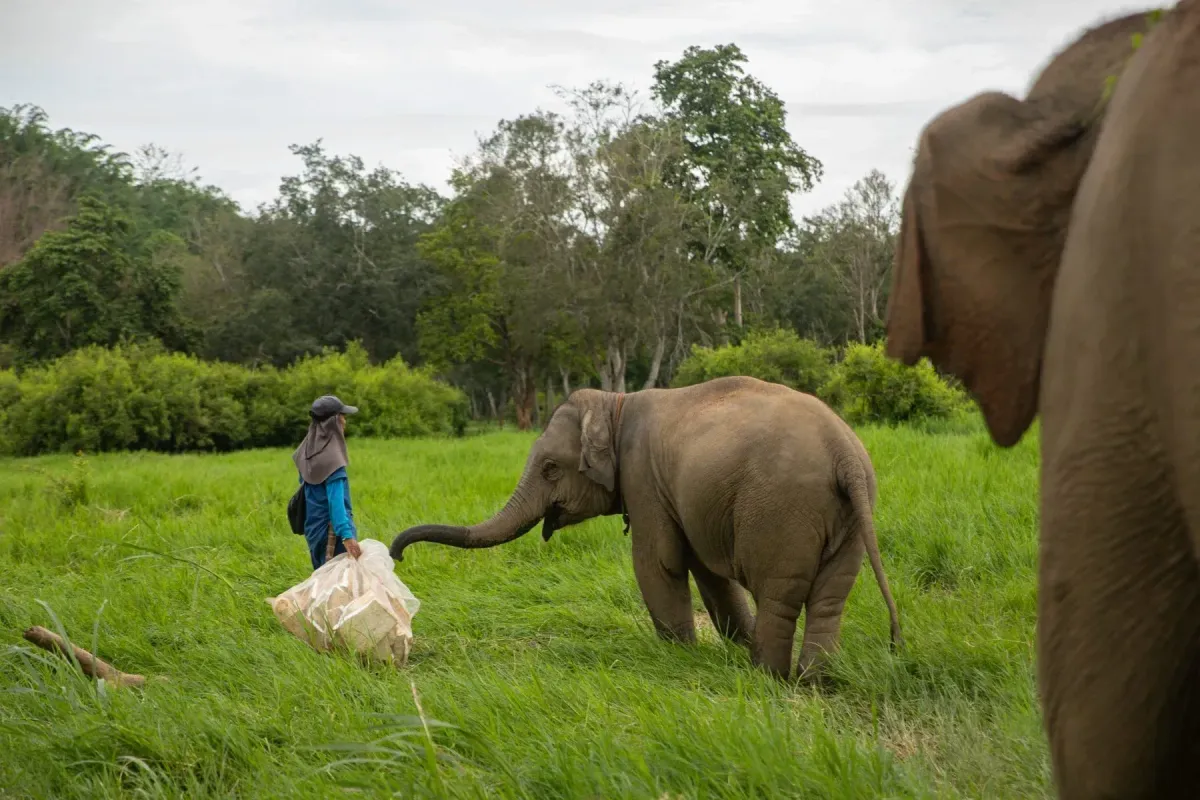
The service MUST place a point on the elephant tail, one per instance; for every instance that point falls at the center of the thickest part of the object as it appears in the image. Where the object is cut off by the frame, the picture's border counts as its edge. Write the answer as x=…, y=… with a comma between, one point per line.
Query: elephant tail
x=854, y=483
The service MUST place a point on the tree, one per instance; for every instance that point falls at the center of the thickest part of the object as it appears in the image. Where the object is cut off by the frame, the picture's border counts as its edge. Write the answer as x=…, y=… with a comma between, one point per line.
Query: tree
x=854, y=242
x=170, y=197
x=42, y=171
x=33, y=200
x=171, y=216
x=336, y=254
x=92, y=283
x=502, y=250
x=740, y=164
x=803, y=295
x=639, y=286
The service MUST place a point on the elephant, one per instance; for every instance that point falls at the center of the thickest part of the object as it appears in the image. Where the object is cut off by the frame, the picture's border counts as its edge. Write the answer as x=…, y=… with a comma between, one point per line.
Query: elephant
x=744, y=484
x=1049, y=257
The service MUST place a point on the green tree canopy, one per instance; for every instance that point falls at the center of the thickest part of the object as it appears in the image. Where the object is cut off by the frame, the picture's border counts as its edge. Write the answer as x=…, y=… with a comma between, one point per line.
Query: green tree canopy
x=740, y=165
x=95, y=282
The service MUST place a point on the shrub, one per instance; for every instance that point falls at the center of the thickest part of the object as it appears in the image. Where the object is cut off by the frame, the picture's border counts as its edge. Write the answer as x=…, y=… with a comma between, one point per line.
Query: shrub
x=778, y=356
x=139, y=397
x=867, y=386
x=394, y=400
x=10, y=395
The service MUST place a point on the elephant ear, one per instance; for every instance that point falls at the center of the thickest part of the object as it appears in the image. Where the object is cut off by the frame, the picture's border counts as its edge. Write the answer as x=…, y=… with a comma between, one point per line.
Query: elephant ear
x=905, y=325
x=1044, y=128
x=596, y=459
x=981, y=236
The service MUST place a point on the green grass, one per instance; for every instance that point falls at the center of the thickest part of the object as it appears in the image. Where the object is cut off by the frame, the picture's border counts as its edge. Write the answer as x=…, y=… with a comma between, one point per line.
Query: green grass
x=540, y=656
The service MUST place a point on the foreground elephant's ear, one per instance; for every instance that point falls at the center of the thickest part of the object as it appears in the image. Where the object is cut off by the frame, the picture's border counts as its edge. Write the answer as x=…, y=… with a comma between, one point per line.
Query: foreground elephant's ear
x=905, y=326
x=1043, y=129
x=596, y=453
x=981, y=237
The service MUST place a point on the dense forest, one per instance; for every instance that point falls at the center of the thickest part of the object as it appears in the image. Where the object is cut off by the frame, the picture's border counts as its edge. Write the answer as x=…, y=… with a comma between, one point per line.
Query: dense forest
x=594, y=246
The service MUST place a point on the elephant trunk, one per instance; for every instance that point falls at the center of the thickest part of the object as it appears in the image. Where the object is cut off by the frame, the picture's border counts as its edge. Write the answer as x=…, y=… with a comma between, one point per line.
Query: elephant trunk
x=519, y=515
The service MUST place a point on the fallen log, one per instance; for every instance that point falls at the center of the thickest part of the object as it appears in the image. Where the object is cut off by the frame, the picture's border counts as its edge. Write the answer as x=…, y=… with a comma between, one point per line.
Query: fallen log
x=92, y=666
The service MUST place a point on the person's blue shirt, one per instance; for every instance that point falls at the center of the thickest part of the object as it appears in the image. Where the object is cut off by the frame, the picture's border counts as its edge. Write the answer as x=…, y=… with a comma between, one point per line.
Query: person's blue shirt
x=325, y=503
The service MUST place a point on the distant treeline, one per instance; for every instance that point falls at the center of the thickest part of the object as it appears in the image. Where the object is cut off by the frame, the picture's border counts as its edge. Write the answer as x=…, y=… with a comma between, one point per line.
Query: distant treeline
x=596, y=247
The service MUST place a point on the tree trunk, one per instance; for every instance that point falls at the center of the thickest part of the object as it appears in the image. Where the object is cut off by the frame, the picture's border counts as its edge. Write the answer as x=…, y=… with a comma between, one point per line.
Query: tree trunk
x=737, y=300
x=612, y=369
x=679, y=351
x=524, y=398
x=551, y=401
x=495, y=411
x=860, y=316
x=526, y=407
x=720, y=316
x=566, y=379
x=660, y=347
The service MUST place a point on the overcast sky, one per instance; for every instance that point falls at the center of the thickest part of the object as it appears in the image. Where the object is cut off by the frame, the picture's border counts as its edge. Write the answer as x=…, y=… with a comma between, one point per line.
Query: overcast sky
x=229, y=84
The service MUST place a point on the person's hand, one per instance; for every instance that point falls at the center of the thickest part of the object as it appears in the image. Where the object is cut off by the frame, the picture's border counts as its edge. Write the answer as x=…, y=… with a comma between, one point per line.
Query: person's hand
x=352, y=548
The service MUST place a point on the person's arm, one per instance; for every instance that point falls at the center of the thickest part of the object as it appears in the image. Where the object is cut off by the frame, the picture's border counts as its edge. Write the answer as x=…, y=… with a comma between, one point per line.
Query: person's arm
x=343, y=525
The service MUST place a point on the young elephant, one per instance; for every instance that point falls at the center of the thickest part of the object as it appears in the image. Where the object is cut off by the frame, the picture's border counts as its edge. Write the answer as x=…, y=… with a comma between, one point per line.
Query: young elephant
x=1051, y=260
x=735, y=480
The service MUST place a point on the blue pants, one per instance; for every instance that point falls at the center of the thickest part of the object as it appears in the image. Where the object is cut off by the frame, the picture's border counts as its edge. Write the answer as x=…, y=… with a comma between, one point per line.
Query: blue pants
x=316, y=547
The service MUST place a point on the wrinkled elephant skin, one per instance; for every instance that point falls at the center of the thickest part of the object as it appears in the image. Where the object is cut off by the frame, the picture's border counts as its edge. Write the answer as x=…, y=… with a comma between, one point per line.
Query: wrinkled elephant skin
x=1050, y=258
x=740, y=483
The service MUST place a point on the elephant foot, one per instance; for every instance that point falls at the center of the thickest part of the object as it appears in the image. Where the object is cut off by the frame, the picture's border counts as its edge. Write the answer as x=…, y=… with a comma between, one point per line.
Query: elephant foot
x=675, y=634
x=735, y=634
x=775, y=672
x=774, y=634
x=813, y=676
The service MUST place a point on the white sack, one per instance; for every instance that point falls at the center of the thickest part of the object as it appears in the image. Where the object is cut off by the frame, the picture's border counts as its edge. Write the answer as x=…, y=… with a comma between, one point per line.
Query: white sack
x=355, y=603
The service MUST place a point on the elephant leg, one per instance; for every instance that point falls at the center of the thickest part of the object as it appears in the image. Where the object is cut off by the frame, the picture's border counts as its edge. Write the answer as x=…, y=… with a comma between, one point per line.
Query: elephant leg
x=659, y=564
x=825, y=603
x=1118, y=636
x=727, y=603
x=779, y=575
x=779, y=604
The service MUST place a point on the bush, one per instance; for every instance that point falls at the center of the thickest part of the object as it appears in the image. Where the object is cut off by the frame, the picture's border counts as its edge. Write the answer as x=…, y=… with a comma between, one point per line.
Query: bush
x=778, y=356
x=867, y=386
x=394, y=400
x=139, y=397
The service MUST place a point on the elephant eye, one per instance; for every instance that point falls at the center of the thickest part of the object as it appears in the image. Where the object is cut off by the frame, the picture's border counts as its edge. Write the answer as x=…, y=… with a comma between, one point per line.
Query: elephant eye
x=550, y=470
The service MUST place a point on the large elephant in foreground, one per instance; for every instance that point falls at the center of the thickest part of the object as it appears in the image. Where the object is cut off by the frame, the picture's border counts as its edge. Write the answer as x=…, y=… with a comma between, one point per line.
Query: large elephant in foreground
x=1049, y=257
x=739, y=482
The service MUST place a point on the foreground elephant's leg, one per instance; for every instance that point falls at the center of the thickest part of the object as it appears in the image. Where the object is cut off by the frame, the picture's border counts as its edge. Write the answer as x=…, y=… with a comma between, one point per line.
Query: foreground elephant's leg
x=1118, y=636
x=727, y=603
x=823, y=609
x=661, y=572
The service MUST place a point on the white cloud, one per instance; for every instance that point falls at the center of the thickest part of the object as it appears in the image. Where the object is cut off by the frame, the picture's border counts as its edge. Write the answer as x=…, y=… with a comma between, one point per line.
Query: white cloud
x=231, y=83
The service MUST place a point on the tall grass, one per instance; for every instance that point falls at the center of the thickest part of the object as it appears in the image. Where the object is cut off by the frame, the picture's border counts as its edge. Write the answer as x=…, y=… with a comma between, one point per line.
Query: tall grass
x=535, y=672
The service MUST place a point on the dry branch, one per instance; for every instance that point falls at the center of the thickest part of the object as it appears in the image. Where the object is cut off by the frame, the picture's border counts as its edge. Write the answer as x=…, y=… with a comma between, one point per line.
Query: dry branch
x=92, y=667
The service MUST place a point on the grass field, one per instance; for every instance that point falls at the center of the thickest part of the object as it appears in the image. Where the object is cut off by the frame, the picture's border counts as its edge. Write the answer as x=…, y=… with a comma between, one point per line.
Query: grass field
x=540, y=655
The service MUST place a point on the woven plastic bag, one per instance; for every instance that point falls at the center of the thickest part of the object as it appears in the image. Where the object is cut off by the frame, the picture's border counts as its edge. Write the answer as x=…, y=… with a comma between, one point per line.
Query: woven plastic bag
x=355, y=603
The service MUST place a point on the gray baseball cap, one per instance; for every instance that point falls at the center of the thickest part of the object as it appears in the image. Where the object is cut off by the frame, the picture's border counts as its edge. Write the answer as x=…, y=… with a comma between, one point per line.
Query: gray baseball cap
x=328, y=405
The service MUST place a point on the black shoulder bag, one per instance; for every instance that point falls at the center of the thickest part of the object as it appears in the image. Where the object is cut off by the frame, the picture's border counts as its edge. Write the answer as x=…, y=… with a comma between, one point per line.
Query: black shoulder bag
x=297, y=510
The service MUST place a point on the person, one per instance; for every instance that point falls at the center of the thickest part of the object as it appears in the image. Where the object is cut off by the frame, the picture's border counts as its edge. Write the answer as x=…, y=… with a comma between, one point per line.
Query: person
x=322, y=460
